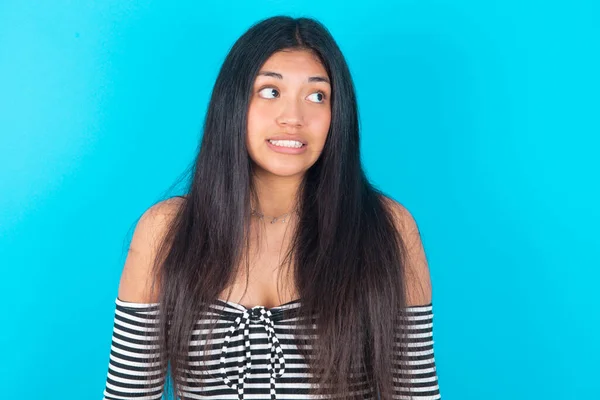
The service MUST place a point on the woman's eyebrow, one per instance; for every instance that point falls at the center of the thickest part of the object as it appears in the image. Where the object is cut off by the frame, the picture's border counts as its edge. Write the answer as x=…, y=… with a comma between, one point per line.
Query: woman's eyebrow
x=277, y=75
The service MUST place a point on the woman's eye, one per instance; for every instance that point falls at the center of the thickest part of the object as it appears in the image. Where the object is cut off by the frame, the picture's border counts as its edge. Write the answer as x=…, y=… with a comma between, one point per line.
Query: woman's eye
x=318, y=97
x=269, y=93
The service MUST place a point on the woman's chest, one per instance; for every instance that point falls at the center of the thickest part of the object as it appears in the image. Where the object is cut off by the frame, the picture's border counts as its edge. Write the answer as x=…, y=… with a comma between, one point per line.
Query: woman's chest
x=264, y=276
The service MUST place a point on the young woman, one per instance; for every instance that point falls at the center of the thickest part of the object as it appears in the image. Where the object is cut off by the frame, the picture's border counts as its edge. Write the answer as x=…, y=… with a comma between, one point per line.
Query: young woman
x=282, y=273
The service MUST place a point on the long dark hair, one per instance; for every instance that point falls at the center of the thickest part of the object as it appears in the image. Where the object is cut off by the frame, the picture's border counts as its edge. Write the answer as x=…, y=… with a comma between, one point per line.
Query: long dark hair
x=348, y=254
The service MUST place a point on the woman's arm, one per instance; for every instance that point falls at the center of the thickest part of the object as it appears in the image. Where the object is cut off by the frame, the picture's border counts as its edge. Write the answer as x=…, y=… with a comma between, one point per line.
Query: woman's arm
x=416, y=374
x=134, y=370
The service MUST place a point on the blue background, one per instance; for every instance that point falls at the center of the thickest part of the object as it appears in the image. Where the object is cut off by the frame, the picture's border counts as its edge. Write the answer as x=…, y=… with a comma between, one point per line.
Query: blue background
x=481, y=117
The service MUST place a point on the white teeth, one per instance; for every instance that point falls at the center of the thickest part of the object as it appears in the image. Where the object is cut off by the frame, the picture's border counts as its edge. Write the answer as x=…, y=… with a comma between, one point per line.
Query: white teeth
x=286, y=143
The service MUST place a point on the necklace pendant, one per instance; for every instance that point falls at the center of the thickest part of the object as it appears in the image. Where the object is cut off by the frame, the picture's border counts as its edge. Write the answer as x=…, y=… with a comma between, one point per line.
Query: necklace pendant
x=275, y=219
x=261, y=216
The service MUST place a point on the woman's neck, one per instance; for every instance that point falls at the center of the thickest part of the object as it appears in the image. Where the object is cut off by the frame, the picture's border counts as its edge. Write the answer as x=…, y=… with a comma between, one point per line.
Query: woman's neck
x=276, y=194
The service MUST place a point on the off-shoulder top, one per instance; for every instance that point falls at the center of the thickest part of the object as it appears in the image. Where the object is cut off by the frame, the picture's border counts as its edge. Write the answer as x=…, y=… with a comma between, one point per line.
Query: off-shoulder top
x=254, y=355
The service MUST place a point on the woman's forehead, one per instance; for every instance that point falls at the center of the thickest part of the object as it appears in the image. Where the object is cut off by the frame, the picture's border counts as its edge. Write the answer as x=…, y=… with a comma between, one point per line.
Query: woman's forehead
x=293, y=63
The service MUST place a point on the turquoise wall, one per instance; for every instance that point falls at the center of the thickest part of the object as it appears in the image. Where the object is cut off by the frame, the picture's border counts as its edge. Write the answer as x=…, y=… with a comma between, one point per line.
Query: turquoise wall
x=480, y=116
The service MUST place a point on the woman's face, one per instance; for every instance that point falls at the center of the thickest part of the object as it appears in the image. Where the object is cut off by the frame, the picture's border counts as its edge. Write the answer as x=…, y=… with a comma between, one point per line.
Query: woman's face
x=289, y=113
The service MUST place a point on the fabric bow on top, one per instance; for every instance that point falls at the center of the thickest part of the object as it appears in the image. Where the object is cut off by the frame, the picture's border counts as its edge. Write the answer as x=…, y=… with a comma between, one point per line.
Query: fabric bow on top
x=242, y=322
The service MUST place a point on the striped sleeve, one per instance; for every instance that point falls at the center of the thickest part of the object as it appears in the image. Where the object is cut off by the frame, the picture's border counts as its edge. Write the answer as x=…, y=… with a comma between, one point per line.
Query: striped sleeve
x=134, y=371
x=417, y=375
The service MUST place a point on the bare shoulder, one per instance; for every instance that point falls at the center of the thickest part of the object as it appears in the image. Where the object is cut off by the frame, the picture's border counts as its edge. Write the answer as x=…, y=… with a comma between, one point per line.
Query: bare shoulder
x=418, y=278
x=137, y=275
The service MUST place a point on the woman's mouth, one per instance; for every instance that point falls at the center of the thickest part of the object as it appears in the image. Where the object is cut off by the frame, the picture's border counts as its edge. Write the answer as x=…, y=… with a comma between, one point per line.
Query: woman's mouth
x=286, y=146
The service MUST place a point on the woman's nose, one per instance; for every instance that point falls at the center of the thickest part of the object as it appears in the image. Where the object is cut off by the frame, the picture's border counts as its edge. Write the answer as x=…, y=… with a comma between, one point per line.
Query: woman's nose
x=291, y=114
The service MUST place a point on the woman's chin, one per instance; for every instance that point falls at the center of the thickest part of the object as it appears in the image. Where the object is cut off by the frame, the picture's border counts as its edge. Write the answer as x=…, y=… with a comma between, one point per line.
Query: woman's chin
x=281, y=172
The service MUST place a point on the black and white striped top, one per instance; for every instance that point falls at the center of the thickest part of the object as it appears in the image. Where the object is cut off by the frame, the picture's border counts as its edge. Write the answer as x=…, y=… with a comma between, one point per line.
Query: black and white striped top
x=254, y=355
